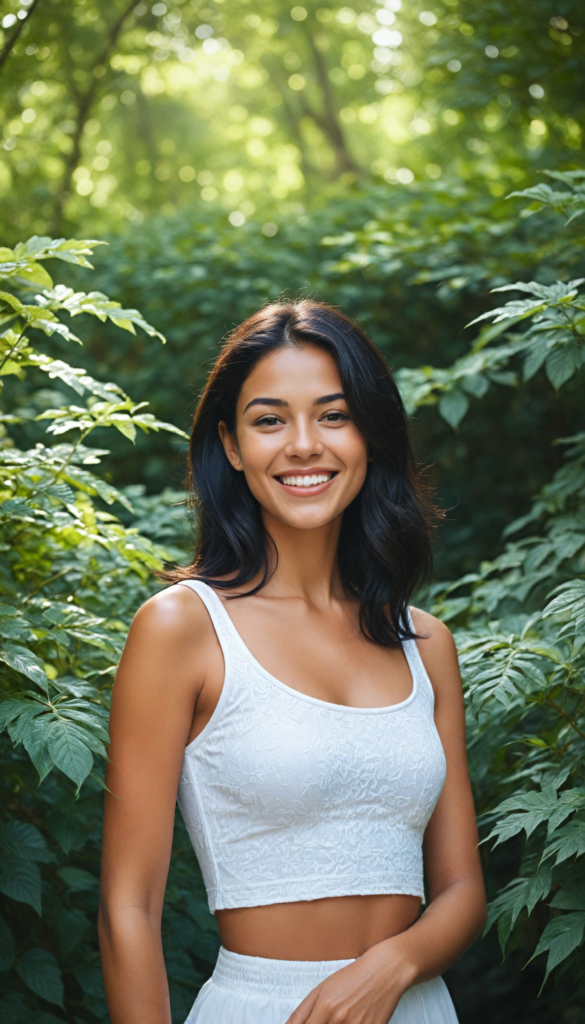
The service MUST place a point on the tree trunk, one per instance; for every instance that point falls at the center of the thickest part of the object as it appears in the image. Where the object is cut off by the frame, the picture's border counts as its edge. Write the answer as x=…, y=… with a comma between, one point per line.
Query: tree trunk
x=327, y=120
x=85, y=103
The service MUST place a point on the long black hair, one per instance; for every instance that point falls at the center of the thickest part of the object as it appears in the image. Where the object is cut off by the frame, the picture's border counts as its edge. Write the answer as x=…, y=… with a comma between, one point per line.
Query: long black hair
x=384, y=548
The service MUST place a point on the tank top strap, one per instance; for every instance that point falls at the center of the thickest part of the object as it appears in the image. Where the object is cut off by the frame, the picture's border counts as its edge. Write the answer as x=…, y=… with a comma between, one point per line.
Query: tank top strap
x=417, y=666
x=222, y=623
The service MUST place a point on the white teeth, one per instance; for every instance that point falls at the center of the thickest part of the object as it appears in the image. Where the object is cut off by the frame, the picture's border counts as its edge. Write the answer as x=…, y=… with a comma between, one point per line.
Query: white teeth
x=306, y=481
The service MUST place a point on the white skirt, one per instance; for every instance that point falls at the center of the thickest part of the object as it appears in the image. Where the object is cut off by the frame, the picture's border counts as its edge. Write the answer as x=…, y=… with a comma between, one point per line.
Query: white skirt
x=252, y=990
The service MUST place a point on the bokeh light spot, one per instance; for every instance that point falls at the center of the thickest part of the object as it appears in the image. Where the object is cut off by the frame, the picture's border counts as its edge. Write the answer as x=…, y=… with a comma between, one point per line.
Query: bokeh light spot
x=404, y=175
x=237, y=218
x=187, y=173
x=297, y=82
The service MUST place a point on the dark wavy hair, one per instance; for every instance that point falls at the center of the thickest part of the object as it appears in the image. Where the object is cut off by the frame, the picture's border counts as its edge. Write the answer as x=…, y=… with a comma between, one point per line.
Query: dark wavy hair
x=384, y=551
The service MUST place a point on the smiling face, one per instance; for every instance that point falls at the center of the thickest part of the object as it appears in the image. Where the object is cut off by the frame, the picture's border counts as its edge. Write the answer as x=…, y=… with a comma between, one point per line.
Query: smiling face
x=303, y=457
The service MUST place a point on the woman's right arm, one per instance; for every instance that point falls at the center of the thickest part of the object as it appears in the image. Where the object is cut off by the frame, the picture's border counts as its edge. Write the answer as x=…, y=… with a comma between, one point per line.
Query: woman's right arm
x=170, y=659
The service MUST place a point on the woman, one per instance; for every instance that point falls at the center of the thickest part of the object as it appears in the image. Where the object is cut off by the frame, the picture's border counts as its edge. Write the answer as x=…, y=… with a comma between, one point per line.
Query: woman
x=313, y=726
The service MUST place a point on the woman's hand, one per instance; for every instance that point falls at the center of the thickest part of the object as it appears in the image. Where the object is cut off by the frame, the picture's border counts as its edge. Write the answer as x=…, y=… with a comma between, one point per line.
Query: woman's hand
x=365, y=992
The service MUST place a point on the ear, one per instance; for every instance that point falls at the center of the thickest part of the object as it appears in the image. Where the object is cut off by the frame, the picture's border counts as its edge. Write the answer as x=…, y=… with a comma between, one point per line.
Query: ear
x=230, y=446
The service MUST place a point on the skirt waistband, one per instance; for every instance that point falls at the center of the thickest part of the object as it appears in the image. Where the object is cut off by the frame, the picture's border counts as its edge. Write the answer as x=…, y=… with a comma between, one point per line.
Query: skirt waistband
x=278, y=978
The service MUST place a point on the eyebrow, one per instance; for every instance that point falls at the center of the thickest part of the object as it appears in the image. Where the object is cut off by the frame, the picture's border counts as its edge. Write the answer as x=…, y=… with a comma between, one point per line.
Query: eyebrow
x=280, y=403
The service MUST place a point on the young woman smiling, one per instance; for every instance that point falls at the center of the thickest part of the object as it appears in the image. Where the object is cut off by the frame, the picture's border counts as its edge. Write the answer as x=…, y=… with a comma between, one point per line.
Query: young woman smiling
x=311, y=724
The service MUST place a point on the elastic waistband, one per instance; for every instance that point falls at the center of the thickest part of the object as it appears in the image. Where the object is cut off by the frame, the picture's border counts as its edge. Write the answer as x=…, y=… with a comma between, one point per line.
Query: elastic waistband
x=279, y=978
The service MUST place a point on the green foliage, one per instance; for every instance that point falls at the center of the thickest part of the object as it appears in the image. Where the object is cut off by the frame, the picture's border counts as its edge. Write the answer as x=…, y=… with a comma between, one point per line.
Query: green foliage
x=116, y=109
x=72, y=575
x=519, y=628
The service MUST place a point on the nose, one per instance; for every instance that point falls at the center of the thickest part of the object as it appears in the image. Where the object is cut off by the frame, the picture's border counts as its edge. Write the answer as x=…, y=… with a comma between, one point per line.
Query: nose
x=303, y=442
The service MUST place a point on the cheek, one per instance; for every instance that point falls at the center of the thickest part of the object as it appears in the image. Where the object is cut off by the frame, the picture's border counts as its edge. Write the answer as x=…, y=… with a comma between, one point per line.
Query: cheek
x=353, y=451
x=257, y=453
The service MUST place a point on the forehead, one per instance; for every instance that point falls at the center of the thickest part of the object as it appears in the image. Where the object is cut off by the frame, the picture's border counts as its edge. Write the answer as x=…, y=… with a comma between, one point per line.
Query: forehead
x=292, y=371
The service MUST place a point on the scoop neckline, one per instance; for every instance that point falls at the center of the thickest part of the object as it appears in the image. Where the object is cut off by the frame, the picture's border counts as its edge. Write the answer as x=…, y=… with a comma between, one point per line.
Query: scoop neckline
x=385, y=709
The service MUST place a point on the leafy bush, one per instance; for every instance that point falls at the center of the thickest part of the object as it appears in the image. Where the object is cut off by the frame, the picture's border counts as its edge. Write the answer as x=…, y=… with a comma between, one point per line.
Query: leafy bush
x=519, y=624
x=72, y=575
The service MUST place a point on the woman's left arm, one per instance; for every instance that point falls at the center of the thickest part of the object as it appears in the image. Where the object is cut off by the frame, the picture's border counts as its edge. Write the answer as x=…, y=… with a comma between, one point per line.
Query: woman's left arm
x=368, y=991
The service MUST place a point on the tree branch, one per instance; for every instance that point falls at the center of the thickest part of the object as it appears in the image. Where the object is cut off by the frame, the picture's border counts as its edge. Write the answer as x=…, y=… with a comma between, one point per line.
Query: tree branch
x=85, y=104
x=308, y=169
x=7, y=48
x=328, y=120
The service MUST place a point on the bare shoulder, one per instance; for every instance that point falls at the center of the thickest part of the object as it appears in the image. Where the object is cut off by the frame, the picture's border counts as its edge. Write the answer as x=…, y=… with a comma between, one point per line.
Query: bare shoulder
x=438, y=652
x=433, y=633
x=171, y=636
x=175, y=615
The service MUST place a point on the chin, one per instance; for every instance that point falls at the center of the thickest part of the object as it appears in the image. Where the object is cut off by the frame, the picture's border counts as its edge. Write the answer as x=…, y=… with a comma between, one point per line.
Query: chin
x=306, y=522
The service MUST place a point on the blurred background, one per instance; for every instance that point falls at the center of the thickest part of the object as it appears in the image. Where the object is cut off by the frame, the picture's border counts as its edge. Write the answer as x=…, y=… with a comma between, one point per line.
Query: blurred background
x=234, y=151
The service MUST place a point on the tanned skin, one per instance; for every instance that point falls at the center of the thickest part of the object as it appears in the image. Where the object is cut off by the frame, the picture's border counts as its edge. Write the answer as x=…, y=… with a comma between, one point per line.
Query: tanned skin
x=303, y=628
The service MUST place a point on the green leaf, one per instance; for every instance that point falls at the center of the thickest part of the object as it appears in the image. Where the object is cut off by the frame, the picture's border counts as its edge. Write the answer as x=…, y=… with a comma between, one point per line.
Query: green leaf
x=40, y=971
x=90, y=978
x=35, y=744
x=21, y=880
x=7, y=947
x=78, y=880
x=453, y=405
x=22, y=660
x=125, y=425
x=69, y=750
x=13, y=1010
x=561, y=364
x=571, y=896
x=537, y=353
x=568, y=842
x=560, y=937
x=70, y=927
x=19, y=839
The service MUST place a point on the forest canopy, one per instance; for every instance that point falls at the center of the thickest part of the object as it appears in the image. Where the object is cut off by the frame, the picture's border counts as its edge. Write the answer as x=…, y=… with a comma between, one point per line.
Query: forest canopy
x=116, y=110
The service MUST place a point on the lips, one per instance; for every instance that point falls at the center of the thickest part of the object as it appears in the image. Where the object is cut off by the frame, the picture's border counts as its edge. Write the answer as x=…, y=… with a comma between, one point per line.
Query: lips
x=310, y=482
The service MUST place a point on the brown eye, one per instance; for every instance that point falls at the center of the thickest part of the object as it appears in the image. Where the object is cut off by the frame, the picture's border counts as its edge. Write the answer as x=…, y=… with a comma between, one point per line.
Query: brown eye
x=335, y=417
x=267, y=421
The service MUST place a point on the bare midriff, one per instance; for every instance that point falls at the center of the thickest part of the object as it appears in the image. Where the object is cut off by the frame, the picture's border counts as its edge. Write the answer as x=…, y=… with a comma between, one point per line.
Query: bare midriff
x=335, y=928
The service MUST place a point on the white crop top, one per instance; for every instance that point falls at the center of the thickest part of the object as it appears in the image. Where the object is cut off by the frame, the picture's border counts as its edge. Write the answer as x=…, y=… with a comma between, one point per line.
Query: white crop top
x=287, y=797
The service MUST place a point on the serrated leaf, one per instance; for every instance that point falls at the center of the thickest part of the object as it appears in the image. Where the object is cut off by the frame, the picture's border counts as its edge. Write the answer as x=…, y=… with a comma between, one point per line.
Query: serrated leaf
x=560, y=937
x=21, y=880
x=453, y=405
x=35, y=744
x=22, y=660
x=537, y=353
x=78, y=880
x=571, y=896
x=24, y=841
x=568, y=842
x=40, y=971
x=561, y=364
x=69, y=750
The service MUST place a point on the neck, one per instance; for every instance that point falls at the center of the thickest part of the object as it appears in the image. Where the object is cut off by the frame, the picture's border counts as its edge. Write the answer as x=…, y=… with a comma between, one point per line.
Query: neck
x=307, y=561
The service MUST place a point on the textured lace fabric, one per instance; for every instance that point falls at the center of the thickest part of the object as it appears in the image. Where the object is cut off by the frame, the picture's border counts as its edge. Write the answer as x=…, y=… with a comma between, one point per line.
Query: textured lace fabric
x=287, y=797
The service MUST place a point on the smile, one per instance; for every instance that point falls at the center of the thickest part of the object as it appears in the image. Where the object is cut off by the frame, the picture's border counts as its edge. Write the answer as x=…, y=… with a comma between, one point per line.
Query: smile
x=307, y=480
